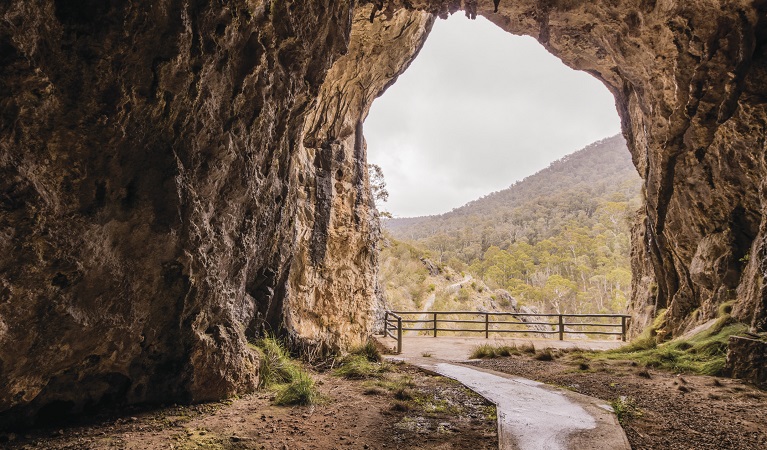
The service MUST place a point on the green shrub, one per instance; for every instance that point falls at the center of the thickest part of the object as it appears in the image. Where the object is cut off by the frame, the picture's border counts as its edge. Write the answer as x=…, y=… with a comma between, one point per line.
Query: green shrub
x=463, y=295
x=625, y=409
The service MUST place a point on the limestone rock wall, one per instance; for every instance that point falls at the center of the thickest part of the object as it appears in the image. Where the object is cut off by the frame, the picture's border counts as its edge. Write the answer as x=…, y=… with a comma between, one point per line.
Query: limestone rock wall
x=146, y=161
x=330, y=300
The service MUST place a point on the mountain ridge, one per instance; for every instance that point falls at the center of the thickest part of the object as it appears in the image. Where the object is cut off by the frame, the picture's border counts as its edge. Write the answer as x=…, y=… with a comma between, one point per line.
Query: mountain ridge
x=555, y=166
x=558, y=239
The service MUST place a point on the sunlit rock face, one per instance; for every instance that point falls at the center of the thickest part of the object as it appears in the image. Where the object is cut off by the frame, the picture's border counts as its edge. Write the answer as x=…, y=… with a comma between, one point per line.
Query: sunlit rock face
x=330, y=297
x=177, y=176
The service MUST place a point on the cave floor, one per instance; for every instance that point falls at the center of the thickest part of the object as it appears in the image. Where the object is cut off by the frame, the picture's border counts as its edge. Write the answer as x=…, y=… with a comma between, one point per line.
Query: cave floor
x=406, y=409
x=533, y=415
x=662, y=410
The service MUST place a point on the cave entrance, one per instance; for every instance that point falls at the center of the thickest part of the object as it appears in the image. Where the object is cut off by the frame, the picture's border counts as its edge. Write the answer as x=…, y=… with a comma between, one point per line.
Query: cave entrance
x=684, y=88
x=478, y=110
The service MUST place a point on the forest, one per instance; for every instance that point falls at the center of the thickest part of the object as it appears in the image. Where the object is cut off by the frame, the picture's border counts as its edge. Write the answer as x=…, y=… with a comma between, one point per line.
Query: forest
x=557, y=240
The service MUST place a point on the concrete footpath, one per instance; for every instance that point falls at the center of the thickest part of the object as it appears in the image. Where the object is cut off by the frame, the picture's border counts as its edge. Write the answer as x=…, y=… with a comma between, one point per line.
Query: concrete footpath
x=531, y=415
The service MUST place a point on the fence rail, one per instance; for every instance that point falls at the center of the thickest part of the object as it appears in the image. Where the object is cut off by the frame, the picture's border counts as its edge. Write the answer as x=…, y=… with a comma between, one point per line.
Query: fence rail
x=488, y=322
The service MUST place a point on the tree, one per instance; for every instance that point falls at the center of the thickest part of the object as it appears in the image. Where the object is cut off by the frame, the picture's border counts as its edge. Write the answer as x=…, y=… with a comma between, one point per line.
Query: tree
x=378, y=188
x=377, y=183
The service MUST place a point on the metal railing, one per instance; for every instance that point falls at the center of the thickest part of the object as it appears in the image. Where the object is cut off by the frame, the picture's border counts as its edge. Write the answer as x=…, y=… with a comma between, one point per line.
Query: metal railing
x=491, y=322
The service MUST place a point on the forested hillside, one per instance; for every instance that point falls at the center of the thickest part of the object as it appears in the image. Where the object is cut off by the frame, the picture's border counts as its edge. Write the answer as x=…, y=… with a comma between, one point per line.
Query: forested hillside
x=558, y=239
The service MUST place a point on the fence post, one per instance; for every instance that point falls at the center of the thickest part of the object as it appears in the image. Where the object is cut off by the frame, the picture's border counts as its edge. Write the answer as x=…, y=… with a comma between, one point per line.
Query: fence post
x=386, y=323
x=435, y=324
x=623, y=328
x=487, y=325
x=399, y=335
x=561, y=328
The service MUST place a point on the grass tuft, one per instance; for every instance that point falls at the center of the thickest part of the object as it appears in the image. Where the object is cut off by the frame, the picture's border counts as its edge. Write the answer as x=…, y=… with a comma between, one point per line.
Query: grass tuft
x=491, y=351
x=276, y=367
x=293, y=384
x=527, y=348
x=403, y=394
x=400, y=406
x=544, y=355
x=360, y=367
x=374, y=390
x=369, y=351
x=300, y=391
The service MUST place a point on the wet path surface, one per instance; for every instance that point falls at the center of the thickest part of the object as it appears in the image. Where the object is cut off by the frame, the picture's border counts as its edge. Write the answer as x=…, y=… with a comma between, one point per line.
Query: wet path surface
x=536, y=416
x=531, y=415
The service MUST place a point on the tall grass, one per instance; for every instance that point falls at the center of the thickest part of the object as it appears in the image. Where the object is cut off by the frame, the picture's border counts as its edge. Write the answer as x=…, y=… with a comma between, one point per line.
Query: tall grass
x=278, y=371
x=300, y=391
x=276, y=366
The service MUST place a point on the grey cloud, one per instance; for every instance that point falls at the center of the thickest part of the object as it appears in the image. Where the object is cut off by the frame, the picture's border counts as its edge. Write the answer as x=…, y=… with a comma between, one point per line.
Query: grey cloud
x=477, y=110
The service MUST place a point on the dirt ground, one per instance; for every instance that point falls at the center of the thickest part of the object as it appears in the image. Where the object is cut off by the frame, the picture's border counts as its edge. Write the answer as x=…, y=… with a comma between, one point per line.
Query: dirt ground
x=406, y=409
x=671, y=411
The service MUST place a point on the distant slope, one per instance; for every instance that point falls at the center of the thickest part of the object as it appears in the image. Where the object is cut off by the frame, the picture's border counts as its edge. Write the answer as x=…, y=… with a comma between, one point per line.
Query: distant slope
x=558, y=239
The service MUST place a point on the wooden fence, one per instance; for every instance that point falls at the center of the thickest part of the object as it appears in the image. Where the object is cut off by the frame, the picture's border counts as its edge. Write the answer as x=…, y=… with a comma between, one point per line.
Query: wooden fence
x=433, y=322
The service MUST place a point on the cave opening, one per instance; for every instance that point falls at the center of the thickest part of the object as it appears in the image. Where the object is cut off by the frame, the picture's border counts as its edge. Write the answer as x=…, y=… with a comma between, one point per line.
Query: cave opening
x=471, y=138
x=478, y=109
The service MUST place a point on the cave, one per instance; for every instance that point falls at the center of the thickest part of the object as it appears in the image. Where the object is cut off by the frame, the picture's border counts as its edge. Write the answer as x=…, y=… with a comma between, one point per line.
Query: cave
x=180, y=176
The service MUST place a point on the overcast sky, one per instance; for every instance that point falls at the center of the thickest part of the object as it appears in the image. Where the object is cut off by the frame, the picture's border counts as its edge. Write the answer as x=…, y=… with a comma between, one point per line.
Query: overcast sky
x=478, y=110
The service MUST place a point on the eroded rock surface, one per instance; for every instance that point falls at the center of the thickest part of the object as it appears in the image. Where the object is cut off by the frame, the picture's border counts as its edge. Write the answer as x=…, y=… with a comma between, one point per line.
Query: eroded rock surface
x=176, y=176
x=330, y=296
x=145, y=212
